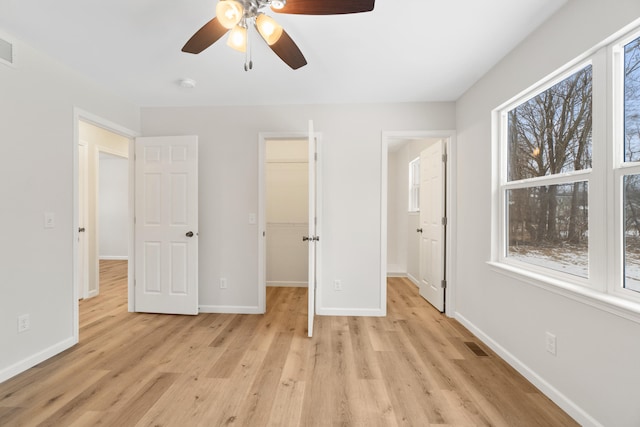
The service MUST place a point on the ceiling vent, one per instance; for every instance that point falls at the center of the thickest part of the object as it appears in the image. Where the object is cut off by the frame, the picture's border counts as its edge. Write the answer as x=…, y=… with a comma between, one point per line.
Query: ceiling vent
x=6, y=52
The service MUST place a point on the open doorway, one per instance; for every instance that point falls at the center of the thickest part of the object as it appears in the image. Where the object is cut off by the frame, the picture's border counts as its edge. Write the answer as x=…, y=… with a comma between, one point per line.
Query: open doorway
x=408, y=247
x=284, y=219
x=97, y=139
x=287, y=212
x=103, y=202
x=289, y=232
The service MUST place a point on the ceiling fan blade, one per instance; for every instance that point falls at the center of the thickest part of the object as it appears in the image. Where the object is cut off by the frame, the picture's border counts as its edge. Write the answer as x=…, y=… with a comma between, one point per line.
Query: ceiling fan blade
x=288, y=51
x=205, y=37
x=326, y=7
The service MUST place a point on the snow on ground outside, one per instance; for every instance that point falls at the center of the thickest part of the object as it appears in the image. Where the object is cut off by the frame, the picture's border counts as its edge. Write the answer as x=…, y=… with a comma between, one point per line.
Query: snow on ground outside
x=572, y=260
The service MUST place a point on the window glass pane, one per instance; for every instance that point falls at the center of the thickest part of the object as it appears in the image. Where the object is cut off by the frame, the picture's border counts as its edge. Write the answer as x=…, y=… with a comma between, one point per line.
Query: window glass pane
x=551, y=133
x=414, y=185
x=548, y=226
x=632, y=232
x=632, y=101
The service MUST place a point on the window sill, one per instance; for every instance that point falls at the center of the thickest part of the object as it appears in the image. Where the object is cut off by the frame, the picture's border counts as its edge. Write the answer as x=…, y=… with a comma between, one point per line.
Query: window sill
x=612, y=304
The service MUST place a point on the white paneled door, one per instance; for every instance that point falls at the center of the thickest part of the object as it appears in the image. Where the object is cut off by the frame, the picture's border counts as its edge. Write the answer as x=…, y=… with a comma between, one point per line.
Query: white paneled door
x=312, y=238
x=166, y=225
x=432, y=224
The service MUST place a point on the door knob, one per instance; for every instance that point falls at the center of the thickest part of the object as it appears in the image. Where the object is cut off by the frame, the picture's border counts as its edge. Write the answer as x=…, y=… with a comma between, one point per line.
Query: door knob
x=419, y=230
x=81, y=230
x=189, y=234
x=305, y=238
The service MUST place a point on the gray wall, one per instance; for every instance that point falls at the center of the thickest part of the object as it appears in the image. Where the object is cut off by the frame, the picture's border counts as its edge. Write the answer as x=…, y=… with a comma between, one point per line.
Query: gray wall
x=36, y=166
x=595, y=374
x=351, y=188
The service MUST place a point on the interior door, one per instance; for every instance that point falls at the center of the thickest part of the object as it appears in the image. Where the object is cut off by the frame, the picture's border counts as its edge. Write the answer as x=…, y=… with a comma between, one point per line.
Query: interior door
x=312, y=238
x=432, y=224
x=166, y=225
x=83, y=256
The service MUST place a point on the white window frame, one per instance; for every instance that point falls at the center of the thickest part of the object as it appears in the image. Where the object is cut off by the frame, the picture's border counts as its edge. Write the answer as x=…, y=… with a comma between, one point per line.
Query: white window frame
x=620, y=168
x=604, y=286
x=414, y=185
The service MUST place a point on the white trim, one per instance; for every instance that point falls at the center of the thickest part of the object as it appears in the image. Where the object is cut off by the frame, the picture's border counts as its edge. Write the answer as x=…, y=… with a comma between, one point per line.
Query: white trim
x=286, y=284
x=615, y=305
x=114, y=257
x=413, y=280
x=451, y=212
x=33, y=360
x=84, y=292
x=230, y=309
x=575, y=411
x=333, y=311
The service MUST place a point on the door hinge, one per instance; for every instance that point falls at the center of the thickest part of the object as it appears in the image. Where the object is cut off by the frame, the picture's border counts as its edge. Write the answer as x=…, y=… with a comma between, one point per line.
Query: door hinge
x=264, y=233
x=315, y=156
x=443, y=284
x=444, y=158
x=444, y=220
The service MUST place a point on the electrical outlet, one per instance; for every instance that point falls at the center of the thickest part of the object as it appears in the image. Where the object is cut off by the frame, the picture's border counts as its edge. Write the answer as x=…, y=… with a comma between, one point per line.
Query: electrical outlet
x=550, y=343
x=337, y=285
x=23, y=323
x=223, y=283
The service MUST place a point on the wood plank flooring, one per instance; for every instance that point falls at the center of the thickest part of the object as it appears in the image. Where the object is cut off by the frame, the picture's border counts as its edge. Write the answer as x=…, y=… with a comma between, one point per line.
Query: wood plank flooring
x=414, y=367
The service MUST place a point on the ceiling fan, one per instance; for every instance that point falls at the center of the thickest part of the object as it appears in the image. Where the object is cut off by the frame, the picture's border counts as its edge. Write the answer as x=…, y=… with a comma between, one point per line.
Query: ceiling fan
x=237, y=16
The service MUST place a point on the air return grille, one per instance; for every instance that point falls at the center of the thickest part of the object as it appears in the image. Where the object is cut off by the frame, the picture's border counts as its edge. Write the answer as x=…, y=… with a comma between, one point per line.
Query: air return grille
x=6, y=52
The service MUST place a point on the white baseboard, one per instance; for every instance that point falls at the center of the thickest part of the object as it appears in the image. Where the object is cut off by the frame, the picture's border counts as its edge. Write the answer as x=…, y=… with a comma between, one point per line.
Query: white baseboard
x=285, y=284
x=229, y=309
x=395, y=274
x=351, y=312
x=39, y=357
x=114, y=257
x=576, y=412
x=414, y=280
x=394, y=270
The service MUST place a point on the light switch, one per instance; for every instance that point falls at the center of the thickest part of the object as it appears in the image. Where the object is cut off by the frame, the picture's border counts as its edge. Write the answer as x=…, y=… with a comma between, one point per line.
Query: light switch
x=252, y=218
x=49, y=220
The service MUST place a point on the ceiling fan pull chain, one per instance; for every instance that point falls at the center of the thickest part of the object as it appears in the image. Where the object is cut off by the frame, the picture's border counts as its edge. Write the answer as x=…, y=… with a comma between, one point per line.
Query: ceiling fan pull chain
x=248, y=63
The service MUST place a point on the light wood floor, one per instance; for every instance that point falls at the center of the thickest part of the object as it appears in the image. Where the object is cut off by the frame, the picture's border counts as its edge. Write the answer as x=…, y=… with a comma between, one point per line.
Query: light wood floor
x=413, y=368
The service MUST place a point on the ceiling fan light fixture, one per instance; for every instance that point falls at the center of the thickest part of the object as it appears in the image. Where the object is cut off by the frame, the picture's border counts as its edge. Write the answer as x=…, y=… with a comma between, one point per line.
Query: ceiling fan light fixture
x=278, y=4
x=268, y=28
x=229, y=13
x=238, y=39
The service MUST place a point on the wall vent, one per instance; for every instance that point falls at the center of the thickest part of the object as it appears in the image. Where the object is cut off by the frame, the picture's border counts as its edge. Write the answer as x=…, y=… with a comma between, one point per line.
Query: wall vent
x=6, y=52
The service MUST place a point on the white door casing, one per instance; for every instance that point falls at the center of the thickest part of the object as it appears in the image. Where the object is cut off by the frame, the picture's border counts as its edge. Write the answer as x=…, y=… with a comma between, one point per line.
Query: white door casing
x=83, y=247
x=432, y=226
x=166, y=225
x=312, y=236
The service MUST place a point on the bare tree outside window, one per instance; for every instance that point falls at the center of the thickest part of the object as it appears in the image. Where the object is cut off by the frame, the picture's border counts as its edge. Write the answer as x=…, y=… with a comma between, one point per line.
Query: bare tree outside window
x=632, y=154
x=548, y=135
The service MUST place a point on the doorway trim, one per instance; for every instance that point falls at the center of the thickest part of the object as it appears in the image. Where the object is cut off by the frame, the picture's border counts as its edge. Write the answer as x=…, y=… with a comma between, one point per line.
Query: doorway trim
x=450, y=205
x=263, y=137
x=85, y=116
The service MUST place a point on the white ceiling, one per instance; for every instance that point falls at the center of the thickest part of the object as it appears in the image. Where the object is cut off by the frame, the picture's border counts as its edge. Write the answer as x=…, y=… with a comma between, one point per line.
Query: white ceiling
x=403, y=51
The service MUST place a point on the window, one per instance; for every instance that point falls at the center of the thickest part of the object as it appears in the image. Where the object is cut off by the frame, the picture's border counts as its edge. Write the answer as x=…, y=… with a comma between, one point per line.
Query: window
x=546, y=193
x=629, y=169
x=414, y=185
x=568, y=185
